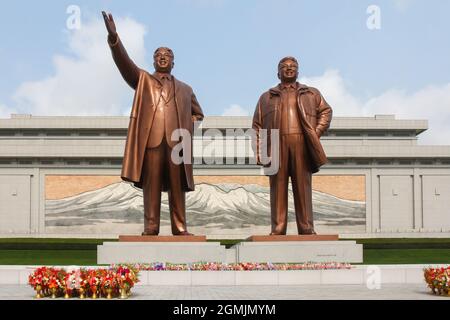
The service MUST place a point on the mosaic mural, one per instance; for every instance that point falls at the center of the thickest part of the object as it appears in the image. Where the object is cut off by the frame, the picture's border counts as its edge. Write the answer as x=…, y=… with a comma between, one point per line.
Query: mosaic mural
x=235, y=206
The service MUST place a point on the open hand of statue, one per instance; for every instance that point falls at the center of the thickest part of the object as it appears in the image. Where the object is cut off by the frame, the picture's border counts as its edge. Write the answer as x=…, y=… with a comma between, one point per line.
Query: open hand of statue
x=110, y=26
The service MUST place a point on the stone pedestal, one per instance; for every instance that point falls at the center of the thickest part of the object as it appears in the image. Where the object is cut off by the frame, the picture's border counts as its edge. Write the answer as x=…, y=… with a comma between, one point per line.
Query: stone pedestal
x=191, y=249
x=133, y=238
x=312, y=237
x=155, y=251
x=288, y=251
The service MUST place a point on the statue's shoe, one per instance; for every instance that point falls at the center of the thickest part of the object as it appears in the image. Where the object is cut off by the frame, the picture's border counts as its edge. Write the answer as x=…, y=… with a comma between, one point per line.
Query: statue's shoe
x=183, y=233
x=309, y=232
x=148, y=233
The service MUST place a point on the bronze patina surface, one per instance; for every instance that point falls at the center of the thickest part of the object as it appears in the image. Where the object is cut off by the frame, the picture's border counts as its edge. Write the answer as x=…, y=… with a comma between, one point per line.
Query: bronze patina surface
x=301, y=115
x=161, y=105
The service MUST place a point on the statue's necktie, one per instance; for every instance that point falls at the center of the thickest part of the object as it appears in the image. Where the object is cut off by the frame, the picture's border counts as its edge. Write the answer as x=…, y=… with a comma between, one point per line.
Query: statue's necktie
x=165, y=88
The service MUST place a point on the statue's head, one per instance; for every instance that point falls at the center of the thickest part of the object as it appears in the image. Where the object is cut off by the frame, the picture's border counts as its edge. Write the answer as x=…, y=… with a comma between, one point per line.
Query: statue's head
x=163, y=60
x=288, y=70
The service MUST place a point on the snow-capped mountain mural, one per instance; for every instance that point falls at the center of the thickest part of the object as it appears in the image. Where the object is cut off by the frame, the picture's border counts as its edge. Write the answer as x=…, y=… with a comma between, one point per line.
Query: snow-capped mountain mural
x=212, y=209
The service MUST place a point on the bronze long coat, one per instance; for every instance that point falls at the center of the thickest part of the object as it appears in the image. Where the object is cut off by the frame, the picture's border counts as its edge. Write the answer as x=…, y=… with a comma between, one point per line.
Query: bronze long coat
x=315, y=116
x=148, y=93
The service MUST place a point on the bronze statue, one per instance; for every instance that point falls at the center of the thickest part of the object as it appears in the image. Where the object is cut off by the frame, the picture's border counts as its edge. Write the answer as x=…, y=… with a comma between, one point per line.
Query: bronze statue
x=301, y=115
x=161, y=105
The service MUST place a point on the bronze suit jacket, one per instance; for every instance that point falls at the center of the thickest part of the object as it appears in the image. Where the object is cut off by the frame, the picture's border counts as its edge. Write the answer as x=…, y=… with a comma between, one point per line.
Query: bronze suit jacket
x=148, y=93
x=315, y=117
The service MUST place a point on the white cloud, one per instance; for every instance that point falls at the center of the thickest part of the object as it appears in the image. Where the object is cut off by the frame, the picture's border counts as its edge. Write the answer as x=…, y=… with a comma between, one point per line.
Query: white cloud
x=332, y=86
x=431, y=103
x=87, y=82
x=235, y=110
x=5, y=111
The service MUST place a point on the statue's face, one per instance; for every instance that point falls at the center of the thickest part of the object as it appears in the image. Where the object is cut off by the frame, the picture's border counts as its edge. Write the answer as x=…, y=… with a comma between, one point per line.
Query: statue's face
x=288, y=71
x=163, y=60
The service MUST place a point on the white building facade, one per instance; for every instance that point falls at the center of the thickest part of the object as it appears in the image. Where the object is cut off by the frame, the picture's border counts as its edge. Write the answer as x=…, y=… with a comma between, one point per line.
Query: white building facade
x=60, y=177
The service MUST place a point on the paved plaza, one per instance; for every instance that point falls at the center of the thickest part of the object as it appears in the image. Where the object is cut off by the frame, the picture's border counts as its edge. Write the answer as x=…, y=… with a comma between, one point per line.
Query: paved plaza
x=313, y=292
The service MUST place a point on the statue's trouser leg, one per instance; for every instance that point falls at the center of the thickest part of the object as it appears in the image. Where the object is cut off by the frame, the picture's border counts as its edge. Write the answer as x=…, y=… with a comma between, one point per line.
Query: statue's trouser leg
x=153, y=174
x=177, y=195
x=301, y=183
x=279, y=191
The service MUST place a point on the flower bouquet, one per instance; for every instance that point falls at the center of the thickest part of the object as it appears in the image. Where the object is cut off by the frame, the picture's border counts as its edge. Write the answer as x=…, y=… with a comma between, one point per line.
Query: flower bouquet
x=94, y=280
x=95, y=283
x=242, y=266
x=126, y=277
x=438, y=280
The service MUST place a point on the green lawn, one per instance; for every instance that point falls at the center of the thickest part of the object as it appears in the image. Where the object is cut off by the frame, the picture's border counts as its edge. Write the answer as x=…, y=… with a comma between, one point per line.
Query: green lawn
x=404, y=240
x=53, y=240
x=406, y=256
x=29, y=251
x=48, y=257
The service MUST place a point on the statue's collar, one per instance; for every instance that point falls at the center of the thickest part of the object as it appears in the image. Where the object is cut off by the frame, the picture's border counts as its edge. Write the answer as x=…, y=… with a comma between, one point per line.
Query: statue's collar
x=277, y=91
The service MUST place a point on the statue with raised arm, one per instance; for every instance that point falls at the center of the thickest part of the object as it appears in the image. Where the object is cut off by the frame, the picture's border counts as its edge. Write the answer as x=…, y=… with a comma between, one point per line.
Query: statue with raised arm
x=162, y=104
x=301, y=115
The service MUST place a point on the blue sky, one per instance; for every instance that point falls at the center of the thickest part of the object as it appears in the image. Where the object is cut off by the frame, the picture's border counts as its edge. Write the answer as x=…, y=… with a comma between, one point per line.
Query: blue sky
x=228, y=50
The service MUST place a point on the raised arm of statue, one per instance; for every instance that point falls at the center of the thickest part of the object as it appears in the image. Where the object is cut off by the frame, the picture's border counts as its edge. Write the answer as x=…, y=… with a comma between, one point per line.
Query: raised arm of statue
x=128, y=69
